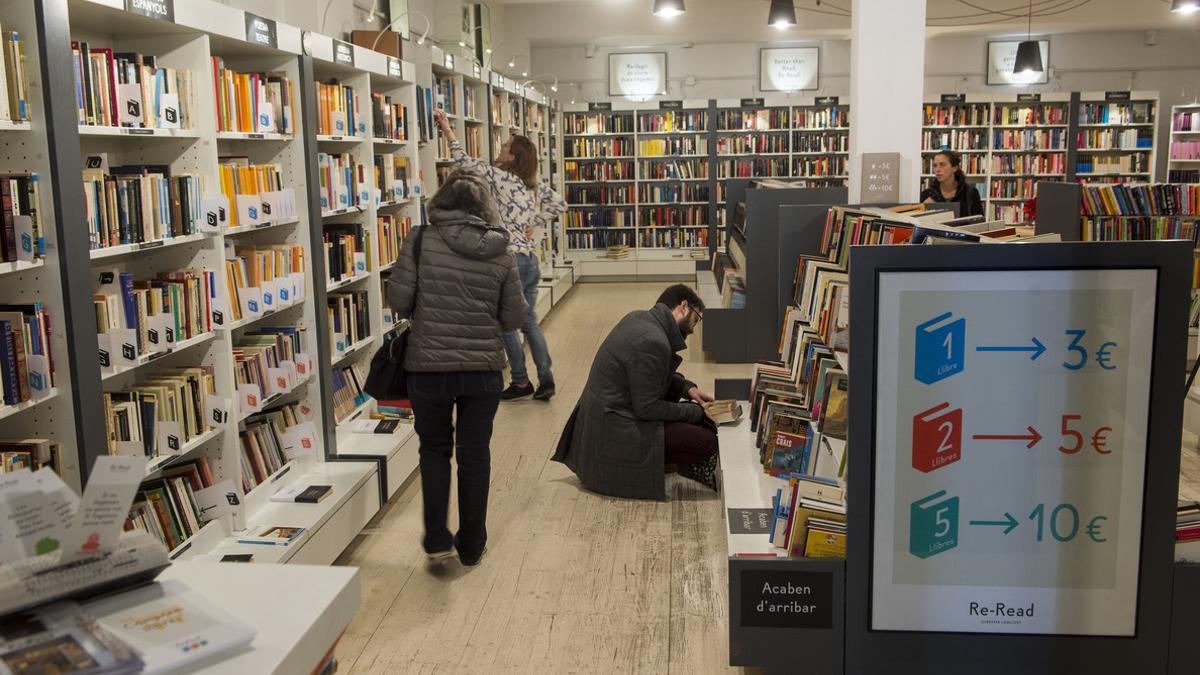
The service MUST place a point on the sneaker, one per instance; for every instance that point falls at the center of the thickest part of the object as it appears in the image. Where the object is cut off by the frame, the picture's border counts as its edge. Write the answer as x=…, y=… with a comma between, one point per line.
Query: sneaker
x=467, y=562
x=544, y=391
x=440, y=556
x=515, y=392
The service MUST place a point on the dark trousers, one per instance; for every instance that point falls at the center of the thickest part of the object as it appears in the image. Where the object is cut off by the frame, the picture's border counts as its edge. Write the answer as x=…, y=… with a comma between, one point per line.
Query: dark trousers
x=687, y=443
x=435, y=397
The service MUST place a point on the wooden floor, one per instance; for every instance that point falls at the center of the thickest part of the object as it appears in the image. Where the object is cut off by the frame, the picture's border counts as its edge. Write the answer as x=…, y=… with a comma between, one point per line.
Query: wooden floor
x=572, y=581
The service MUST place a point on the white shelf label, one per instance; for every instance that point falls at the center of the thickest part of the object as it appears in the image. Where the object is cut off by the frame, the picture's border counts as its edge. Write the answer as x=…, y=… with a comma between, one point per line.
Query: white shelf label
x=39, y=376
x=299, y=440
x=303, y=365
x=130, y=449
x=124, y=346
x=249, y=398
x=360, y=263
x=217, y=410
x=129, y=98
x=252, y=302
x=280, y=380
x=168, y=113
x=23, y=229
x=338, y=119
x=249, y=209
x=219, y=500
x=170, y=437
x=266, y=117
x=216, y=213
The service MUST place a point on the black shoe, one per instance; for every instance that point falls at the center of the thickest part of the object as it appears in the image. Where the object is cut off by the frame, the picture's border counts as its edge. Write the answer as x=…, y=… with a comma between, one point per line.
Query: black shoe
x=544, y=391
x=515, y=392
x=471, y=562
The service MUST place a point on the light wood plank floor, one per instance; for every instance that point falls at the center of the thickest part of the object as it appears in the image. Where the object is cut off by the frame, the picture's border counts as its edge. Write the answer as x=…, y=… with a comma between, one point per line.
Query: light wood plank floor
x=572, y=581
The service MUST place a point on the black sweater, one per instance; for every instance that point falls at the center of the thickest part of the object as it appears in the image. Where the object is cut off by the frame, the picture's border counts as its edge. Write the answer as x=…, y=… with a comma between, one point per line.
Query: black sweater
x=969, y=203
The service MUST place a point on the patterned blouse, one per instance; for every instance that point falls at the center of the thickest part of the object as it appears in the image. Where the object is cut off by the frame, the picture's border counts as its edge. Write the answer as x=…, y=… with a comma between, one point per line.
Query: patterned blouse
x=520, y=207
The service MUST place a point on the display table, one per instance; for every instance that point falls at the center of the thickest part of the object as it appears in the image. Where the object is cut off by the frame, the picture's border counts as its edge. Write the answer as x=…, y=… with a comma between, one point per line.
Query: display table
x=299, y=611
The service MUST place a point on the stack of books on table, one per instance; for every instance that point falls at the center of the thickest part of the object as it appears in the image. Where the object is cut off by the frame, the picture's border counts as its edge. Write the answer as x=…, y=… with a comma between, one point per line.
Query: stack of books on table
x=617, y=252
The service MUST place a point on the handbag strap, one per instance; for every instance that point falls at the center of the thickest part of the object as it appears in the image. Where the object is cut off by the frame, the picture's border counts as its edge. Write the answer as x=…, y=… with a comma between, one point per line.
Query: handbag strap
x=417, y=271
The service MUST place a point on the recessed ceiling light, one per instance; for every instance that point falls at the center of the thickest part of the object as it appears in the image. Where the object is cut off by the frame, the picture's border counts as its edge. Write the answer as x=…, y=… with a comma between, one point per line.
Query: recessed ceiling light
x=668, y=9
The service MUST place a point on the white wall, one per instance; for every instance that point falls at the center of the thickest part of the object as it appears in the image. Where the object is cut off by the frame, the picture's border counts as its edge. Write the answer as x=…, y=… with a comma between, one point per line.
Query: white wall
x=1078, y=61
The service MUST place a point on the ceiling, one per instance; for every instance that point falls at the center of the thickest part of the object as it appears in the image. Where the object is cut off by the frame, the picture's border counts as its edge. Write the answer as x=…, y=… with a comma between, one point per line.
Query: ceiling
x=631, y=23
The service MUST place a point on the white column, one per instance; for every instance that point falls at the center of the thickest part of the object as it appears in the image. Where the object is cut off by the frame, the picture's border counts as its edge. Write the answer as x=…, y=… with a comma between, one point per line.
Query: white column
x=887, y=82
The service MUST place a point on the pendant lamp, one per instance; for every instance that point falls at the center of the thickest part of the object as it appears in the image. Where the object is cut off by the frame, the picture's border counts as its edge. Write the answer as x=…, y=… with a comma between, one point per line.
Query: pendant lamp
x=1029, y=53
x=668, y=9
x=782, y=14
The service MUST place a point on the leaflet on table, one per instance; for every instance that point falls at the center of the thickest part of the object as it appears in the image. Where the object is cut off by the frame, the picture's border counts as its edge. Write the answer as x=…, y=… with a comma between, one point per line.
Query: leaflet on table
x=62, y=638
x=105, y=505
x=171, y=626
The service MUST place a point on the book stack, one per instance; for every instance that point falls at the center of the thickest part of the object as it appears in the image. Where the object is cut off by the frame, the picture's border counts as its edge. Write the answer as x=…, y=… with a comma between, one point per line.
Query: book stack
x=240, y=177
x=166, y=507
x=179, y=301
x=342, y=181
x=1187, y=531
x=255, y=354
x=349, y=319
x=128, y=89
x=14, y=88
x=159, y=415
x=348, y=393
x=261, y=444
x=338, y=112
x=617, y=252
x=345, y=251
x=390, y=232
x=252, y=271
x=391, y=177
x=253, y=102
x=139, y=204
x=29, y=453
x=389, y=119
x=21, y=236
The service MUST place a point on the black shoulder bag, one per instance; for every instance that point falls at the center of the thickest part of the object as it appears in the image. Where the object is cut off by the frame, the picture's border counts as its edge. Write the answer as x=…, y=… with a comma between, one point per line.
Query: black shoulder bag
x=388, y=380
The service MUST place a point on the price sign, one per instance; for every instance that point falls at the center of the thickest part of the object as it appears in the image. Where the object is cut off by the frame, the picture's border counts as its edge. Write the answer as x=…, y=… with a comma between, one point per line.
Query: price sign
x=880, y=177
x=1011, y=427
x=261, y=31
x=343, y=53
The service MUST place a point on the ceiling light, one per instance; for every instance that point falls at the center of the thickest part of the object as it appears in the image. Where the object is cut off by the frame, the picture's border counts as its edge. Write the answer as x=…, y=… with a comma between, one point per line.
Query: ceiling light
x=488, y=50
x=512, y=64
x=1029, y=53
x=524, y=74
x=461, y=43
x=668, y=9
x=1185, y=6
x=554, y=87
x=782, y=14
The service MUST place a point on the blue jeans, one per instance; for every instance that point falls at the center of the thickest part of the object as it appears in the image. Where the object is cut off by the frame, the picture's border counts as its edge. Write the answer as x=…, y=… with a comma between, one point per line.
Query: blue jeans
x=531, y=274
x=434, y=397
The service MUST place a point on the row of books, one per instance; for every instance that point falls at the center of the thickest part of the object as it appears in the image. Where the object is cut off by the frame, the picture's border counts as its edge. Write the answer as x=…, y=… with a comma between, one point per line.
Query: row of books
x=672, y=121
x=253, y=102
x=768, y=119
x=166, y=507
x=605, y=217
x=425, y=124
x=598, y=123
x=1029, y=139
x=1136, y=163
x=21, y=236
x=1013, y=188
x=1111, y=139
x=241, y=177
x=346, y=252
x=342, y=180
x=822, y=118
x=391, y=231
x=600, y=239
x=826, y=142
x=338, y=110
x=819, y=166
x=391, y=177
x=751, y=168
x=445, y=95
x=348, y=318
x=1189, y=150
x=1185, y=121
x=618, y=169
x=673, y=216
x=160, y=414
x=257, y=353
x=26, y=359
x=680, y=169
x=14, y=87
x=598, y=147
x=140, y=204
x=128, y=89
x=1048, y=113
x=1108, y=228
x=956, y=114
x=29, y=453
x=261, y=443
x=1116, y=113
x=1047, y=163
x=1158, y=199
x=673, y=192
x=674, y=238
x=471, y=143
x=752, y=143
x=600, y=194
x=175, y=302
x=974, y=164
x=389, y=119
x=471, y=109
x=955, y=139
x=497, y=109
x=255, y=275
x=348, y=393
x=674, y=145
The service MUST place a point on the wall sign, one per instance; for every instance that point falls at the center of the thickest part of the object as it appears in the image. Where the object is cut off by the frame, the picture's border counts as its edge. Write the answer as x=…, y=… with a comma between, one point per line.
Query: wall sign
x=343, y=52
x=788, y=69
x=670, y=105
x=880, y=177
x=752, y=103
x=1011, y=422
x=600, y=105
x=1002, y=56
x=1116, y=96
x=786, y=599
x=826, y=100
x=1029, y=98
x=637, y=76
x=261, y=31
x=394, y=67
x=155, y=9
x=954, y=98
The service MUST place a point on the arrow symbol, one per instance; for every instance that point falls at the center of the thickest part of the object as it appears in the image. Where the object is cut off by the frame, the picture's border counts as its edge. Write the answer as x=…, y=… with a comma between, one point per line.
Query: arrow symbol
x=1037, y=348
x=1009, y=522
x=1033, y=437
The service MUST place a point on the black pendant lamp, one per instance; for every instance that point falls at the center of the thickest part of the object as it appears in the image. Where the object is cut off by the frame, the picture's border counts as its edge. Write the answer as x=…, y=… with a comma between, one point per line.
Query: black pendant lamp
x=668, y=8
x=782, y=14
x=1029, y=53
x=1185, y=6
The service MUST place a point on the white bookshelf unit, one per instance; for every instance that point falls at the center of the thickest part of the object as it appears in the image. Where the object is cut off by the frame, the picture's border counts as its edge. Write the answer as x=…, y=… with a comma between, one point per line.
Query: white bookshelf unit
x=1183, y=160
x=1116, y=137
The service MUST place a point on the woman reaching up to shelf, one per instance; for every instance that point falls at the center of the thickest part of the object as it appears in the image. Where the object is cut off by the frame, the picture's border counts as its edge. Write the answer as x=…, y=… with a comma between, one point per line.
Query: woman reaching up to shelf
x=458, y=284
x=949, y=184
x=528, y=208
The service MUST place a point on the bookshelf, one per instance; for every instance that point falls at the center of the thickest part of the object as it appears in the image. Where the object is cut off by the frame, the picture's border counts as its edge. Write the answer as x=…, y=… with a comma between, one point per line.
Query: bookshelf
x=1183, y=162
x=959, y=122
x=1115, y=142
x=1029, y=144
x=821, y=142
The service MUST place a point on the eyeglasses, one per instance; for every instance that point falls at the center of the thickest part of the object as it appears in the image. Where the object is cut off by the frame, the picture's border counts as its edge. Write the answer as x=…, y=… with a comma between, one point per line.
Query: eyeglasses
x=698, y=313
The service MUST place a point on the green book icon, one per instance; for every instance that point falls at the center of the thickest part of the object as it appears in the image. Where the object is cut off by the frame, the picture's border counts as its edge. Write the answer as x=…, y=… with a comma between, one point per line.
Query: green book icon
x=933, y=525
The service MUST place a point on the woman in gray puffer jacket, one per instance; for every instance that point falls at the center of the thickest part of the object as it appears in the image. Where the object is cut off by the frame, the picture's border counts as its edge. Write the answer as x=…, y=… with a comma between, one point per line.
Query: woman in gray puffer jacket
x=465, y=296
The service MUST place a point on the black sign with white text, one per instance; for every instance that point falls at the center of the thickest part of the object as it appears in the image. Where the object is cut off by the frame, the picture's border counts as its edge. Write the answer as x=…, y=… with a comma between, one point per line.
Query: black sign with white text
x=601, y=105
x=261, y=31
x=753, y=103
x=786, y=599
x=1116, y=96
x=749, y=521
x=954, y=98
x=1029, y=98
x=155, y=9
x=826, y=100
x=670, y=105
x=343, y=53
x=394, y=67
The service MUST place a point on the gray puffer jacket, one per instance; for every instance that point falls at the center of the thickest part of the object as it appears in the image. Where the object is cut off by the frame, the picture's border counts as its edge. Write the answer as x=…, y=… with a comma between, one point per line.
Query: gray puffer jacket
x=469, y=294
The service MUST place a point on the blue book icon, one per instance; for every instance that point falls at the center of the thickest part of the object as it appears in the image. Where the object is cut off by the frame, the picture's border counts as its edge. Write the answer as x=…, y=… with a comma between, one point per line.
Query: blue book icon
x=933, y=525
x=940, y=348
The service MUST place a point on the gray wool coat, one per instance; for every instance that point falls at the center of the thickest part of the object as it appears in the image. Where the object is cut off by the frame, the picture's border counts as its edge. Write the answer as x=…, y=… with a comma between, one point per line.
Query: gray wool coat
x=469, y=294
x=614, y=439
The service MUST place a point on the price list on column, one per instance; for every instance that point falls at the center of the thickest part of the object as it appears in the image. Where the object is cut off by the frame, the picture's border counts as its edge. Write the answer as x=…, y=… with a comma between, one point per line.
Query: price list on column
x=1010, y=450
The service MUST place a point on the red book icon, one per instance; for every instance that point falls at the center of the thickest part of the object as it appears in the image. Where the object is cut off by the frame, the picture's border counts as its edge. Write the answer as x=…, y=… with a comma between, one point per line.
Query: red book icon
x=937, y=438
